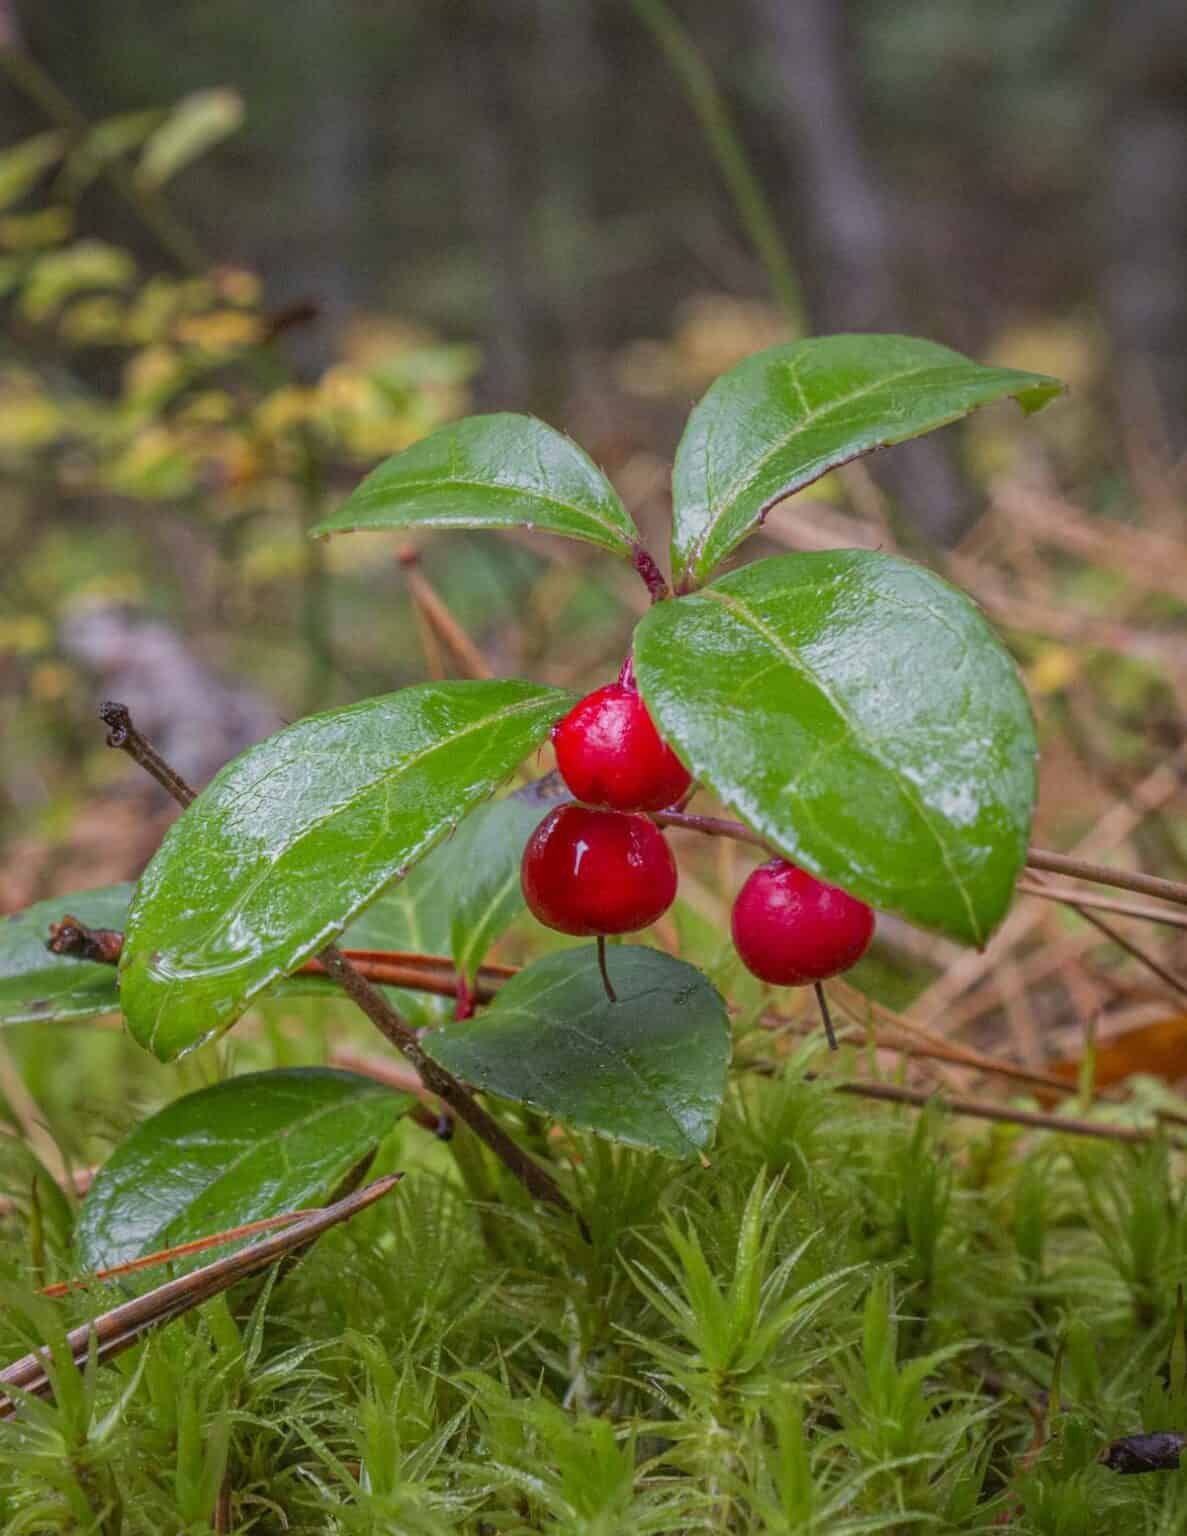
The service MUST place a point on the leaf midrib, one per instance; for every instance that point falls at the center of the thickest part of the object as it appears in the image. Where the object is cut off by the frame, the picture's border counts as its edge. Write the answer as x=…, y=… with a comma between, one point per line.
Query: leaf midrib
x=815, y=414
x=746, y=481
x=365, y=497
x=909, y=790
x=507, y=712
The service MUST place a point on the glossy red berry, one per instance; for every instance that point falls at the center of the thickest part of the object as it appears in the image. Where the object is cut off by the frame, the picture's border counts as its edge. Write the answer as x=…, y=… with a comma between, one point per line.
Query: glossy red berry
x=610, y=754
x=792, y=929
x=587, y=871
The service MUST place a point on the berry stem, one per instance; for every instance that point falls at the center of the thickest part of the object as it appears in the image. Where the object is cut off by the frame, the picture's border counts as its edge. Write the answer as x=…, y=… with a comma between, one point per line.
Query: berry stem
x=712, y=826
x=826, y=1015
x=610, y=992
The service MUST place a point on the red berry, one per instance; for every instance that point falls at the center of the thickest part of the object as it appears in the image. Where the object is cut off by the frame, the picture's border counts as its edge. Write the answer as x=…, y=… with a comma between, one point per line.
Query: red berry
x=792, y=929
x=589, y=872
x=610, y=754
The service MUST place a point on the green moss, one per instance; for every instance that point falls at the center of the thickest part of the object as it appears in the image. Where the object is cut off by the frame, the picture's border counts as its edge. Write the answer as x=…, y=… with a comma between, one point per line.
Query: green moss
x=854, y=1320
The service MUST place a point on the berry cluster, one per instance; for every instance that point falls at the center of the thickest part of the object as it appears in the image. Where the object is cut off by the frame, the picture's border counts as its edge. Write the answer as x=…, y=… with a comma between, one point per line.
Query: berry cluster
x=602, y=866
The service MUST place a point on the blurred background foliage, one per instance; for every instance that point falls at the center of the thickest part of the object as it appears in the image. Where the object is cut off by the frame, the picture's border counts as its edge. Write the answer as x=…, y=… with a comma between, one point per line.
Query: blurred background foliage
x=244, y=254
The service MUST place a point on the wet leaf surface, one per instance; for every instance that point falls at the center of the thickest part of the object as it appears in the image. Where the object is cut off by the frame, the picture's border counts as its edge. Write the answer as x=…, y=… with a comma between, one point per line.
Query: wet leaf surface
x=859, y=713
x=648, y=1070
x=244, y=1149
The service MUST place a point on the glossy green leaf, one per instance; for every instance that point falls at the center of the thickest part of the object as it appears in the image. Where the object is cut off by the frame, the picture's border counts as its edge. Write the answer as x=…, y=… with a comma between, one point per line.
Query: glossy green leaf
x=456, y=901
x=648, y=1070
x=857, y=711
x=501, y=471
x=240, y=1151
x=786, y=416
x=36, y=985
x=293, y=839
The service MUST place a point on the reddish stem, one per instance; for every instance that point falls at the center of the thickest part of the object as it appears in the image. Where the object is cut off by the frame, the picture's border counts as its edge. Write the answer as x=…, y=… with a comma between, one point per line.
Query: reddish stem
x=653, y=578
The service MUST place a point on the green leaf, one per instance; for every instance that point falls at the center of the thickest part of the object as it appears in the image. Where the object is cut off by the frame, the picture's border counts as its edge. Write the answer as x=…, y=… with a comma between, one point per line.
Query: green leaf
x=293, y=839
x=239, y=1151
x=106, y=142
x=501, y=471
x=484, y=857
x=196, y=124
x=786, y=416
x=79, y=268
x=859, y=713
x=22, y=164
x=36, y=985
x=456, y=901
x=648, y=1070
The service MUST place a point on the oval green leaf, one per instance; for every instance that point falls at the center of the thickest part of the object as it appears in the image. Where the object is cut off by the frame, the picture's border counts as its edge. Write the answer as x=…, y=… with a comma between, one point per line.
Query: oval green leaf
x=293, y=839
x=648, y=1070
x=786, y=416
x=501, y=471
x=859, y=713
x=36, y=985
x=240, y=1151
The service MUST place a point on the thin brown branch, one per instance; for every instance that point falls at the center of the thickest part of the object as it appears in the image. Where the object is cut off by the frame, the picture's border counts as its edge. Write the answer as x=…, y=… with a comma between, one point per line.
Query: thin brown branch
x=386, y=968
x=121, y=733
x=1143, y=956
x=650, y=573
x=1037, y=858
x=181, y=1251
x=120, y=1329
x=436, y=1079
x=1103, y=874
x=892, y=1093
x=372, y=1002
x=712, y=826
x=1076, y=898
x=437, y=614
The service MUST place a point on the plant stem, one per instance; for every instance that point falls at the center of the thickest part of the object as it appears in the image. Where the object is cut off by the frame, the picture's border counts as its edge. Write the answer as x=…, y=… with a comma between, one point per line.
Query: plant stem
x=709, y=104
x=649, y=571
x=1079, y=899
x=826, y=1016
x=1036, y=858
x=1176, y=983
x=437, y=1080
x=436, y=612
x=712, y=826
x=373, y=1003
x=121, y=733
x=434, y=974
x=1102, y=874
x=610, y=992
x=892, y=1093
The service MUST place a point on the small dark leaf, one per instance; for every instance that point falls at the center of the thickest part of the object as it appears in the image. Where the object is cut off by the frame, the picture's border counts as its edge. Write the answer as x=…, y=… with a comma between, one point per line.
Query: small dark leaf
x=648, y=1069
x=244, y=1149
